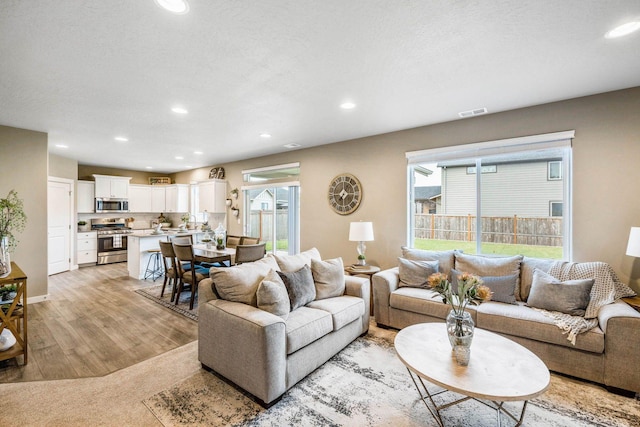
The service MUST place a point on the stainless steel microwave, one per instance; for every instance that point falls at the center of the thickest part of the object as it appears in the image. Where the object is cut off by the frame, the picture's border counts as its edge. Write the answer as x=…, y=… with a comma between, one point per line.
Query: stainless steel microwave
x=105, y=205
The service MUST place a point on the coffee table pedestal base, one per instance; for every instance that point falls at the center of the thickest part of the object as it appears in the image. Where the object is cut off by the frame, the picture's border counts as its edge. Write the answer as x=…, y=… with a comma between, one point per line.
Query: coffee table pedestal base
x=435, y=409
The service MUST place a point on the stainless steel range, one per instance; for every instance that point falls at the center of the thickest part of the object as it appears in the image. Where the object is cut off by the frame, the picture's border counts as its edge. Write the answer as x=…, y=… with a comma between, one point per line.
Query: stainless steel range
x=112, y=239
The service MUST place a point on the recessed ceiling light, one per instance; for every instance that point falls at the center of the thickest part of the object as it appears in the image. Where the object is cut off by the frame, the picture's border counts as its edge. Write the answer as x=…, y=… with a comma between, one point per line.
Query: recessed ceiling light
x=179, y=7
x=347, y=105
x=62, y=146
x=179, y=158
x=198, y=153
x=292, y=145
x=623, y=30
x=265, y=135
x=148, y=167
x=121, y=139
x=189, y=166
x=179, y=110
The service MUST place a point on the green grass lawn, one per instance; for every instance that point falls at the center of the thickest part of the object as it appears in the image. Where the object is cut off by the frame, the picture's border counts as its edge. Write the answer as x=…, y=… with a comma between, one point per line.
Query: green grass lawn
x=281, y=245
x=552, y=252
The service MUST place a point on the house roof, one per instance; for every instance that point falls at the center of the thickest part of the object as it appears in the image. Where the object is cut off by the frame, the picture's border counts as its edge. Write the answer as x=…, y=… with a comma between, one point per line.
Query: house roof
x=427, y=193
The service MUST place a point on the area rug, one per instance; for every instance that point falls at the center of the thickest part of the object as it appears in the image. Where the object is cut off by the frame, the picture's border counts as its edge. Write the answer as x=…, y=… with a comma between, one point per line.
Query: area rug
x=153, y=293
x=366, y=385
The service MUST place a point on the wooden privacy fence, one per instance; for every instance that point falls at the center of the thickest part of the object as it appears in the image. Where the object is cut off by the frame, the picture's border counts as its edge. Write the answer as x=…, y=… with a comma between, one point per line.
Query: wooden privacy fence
x=543, y=231
x=261, y=224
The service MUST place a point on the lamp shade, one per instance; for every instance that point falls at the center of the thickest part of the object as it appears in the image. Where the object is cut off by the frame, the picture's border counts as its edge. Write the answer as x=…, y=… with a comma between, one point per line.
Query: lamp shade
x=633, y=247
x=361, y=232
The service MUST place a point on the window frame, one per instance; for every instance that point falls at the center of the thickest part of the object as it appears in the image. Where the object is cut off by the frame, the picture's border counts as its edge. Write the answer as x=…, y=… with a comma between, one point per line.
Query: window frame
x=549, y=164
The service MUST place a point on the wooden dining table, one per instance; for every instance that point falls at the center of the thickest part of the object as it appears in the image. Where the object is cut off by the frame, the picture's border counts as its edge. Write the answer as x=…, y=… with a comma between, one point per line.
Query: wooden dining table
x=210, y=254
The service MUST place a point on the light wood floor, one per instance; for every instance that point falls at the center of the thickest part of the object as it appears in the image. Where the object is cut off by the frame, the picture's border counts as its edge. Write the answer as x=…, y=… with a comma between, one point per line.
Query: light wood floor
x=94, y=324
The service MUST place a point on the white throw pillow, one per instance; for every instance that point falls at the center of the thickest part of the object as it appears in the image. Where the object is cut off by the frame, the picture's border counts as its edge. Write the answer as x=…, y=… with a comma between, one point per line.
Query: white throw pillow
x=328, y=277
x=272, y=295
x=240, y=282
x=289, y=263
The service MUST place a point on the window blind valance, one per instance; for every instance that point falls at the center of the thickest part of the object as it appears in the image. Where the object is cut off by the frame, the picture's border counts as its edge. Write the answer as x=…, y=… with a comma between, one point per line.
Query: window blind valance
x=491, y=148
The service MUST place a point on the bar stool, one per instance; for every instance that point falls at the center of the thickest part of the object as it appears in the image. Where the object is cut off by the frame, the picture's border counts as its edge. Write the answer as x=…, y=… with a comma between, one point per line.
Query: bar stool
x=156, y=270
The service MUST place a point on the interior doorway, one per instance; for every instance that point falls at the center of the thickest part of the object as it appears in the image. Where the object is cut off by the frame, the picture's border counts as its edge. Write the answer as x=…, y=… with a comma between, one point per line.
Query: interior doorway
x=59, y=220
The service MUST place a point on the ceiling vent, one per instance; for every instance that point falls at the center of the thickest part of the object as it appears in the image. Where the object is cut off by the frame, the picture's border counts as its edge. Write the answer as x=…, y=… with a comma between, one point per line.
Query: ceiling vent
x=471, y=113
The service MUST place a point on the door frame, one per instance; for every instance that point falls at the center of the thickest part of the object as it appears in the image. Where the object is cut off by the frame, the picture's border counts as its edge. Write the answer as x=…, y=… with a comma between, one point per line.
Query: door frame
x=73, y=265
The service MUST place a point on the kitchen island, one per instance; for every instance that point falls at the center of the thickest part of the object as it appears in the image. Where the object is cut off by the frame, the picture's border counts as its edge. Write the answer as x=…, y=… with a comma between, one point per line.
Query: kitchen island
x=141, y=241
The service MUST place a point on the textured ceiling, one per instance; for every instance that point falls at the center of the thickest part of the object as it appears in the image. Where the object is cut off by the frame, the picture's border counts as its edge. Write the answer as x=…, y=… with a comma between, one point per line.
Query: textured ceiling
x=85, y=71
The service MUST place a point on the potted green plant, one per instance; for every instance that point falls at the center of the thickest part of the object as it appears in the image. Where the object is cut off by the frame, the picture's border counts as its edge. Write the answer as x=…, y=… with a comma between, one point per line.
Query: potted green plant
x=83, y=226
x=12, y=220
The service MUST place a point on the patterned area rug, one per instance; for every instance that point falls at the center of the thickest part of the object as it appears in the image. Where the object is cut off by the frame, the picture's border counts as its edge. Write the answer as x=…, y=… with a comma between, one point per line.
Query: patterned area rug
x=153, y=293
x=367, y=385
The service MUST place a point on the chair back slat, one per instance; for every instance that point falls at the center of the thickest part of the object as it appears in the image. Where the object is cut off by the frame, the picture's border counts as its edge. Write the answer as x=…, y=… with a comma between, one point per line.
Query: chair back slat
x=233, y=241
x=246, y=240
x=249, y=253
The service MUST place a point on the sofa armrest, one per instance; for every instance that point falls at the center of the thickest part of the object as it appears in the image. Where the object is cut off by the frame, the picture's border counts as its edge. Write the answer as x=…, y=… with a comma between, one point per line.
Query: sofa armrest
x=383, y=284
x=621, y=325
x=205, y=291
x=244, y=344
x=360, y=287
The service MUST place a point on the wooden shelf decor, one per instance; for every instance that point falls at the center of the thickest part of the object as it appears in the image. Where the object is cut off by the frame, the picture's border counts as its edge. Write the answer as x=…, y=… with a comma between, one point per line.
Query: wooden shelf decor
x=159, y=180
x=13, y=314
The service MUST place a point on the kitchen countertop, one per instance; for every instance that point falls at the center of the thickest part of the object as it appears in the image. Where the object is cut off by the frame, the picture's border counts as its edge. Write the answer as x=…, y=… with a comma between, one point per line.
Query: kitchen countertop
x=148, y=232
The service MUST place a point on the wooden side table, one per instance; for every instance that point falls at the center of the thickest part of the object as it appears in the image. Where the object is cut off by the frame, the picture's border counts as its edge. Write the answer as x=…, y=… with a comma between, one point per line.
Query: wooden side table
x=368, y=270
x=633, y=302
x=13, y=314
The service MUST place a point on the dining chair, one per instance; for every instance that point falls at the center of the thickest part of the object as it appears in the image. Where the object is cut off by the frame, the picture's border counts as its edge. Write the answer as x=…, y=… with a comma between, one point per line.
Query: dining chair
x=233, y=241
x=193, y=276
x=247, y=240
x=170, y=269
x=249, y=253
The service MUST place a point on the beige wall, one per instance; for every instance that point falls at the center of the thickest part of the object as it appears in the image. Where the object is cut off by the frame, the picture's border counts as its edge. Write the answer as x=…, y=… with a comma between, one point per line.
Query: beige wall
x=606, y=196
x=23, y=167
x=63, y=167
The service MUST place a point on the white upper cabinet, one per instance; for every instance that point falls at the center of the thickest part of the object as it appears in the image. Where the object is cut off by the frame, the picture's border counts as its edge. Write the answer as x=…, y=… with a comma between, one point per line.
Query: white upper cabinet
x=177, y=198
x=158, y=198
x=115, y=187
x=140, y=198
x=85, y=196
x=212, y=196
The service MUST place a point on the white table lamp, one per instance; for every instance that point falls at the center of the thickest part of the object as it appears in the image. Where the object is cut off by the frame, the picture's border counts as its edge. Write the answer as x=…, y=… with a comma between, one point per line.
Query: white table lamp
x=361, y=232
x=633, y=247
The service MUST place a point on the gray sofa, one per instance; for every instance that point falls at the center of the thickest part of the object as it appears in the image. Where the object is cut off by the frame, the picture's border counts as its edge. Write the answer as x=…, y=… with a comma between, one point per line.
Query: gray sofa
x=607, y=354
x=264, y=353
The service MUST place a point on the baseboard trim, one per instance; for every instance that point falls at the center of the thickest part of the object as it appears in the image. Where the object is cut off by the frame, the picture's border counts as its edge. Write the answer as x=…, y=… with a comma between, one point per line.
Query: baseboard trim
x=37, y=299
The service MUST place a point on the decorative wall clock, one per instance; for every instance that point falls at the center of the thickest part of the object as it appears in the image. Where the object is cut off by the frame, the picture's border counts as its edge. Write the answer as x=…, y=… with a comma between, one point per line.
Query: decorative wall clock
x=345, y=194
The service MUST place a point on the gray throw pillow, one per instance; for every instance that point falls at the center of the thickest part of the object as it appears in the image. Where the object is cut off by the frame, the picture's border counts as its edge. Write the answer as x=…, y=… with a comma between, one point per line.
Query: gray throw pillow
x=272, y=295
x=328, y=277
x=503, y=288
x=414, y=274
x=445, y=258
x=570, y=297
x=240, y=282
x=300, y=286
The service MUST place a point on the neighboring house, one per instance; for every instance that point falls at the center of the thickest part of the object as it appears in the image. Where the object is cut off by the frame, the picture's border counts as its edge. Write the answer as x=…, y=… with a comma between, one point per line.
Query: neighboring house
x=525, y=186
x=427, y=199
x=263, y=199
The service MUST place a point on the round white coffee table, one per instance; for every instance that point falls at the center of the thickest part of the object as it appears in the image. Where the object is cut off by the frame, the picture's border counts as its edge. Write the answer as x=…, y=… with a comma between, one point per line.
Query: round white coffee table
x=499, y=370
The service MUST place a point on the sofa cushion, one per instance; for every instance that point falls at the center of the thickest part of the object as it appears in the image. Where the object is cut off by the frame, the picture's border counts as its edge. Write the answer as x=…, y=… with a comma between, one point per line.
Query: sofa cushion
x=240, y=282
x=296, y=262
x=570, y=297
x=328, y=277
x=422, y=301
x=300, y=286
x=343, y=309
x=526, y=274
x=305, y=325
x=272, y=295
x=414, y=273
x=522, y=321
x=445, y=258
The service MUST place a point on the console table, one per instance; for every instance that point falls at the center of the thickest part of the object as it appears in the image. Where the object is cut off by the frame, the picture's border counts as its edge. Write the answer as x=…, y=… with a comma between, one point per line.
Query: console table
x=13, y=314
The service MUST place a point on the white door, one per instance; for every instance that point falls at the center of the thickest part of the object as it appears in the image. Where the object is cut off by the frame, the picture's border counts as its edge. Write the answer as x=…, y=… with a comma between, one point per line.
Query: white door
x=59, y=226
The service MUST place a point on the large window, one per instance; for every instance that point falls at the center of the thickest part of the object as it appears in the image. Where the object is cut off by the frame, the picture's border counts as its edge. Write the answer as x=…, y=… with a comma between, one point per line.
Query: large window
x=272, y=206
x=519, y=204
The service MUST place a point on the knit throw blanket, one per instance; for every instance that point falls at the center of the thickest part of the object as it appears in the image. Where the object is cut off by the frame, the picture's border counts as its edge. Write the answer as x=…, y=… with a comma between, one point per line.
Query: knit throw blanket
x=606, y=289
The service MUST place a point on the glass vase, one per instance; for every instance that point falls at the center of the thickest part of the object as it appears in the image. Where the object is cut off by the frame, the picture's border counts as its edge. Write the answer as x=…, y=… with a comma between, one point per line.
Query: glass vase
x=460, y=331
x=5, y=259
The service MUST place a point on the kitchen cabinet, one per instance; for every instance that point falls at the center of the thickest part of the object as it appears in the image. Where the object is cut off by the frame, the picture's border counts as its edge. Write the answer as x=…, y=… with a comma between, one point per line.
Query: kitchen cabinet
x=87, y=247
x=140, y=198
x=212, y=196
x=177, y=198
x=158, y=203
x=114, y=187
x=85, y=197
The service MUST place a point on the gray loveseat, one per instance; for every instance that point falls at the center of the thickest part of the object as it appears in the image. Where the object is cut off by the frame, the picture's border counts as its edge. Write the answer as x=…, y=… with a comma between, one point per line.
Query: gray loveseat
x=607, y=354
x=266, y=353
